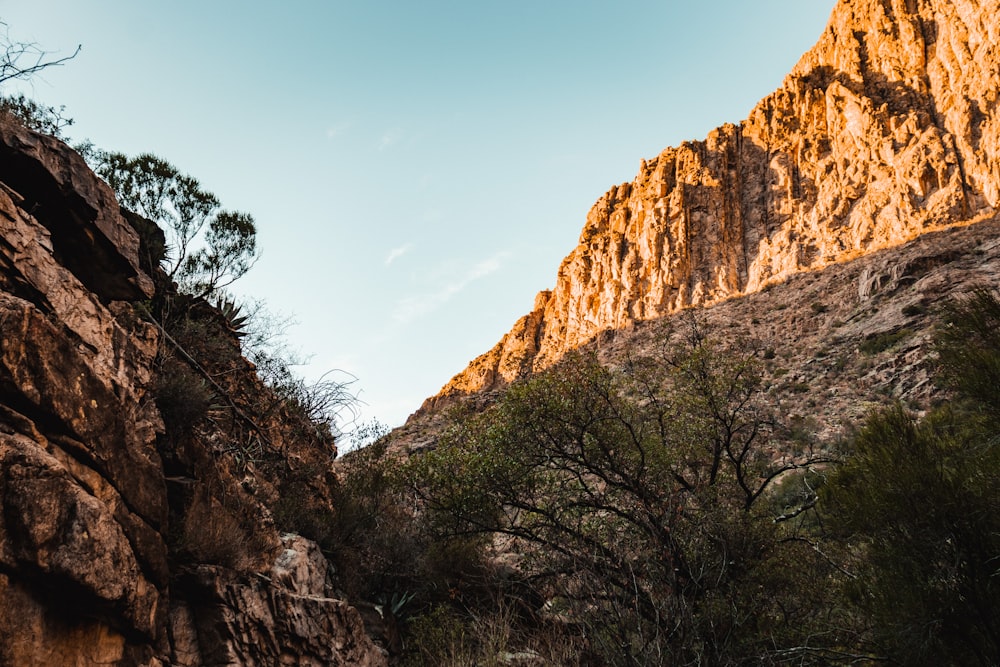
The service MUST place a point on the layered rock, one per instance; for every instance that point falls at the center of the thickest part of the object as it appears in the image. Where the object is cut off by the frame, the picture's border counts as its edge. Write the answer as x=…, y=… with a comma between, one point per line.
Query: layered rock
x=88, y=575
x=886, y=129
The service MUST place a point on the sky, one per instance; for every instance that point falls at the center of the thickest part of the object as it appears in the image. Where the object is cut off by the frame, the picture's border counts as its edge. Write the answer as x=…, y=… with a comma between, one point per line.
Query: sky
x=417, y=170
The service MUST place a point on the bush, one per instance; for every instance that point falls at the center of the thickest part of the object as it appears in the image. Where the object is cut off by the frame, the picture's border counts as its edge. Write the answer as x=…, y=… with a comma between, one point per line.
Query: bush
x=35, y=116
x=918, y=503
x=183, y=399
x=881, y=342
x=633, y=497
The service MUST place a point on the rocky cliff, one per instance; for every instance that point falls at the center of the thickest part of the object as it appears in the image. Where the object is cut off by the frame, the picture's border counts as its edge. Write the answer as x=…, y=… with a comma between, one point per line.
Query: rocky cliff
x=124, y=538
x=888, y=128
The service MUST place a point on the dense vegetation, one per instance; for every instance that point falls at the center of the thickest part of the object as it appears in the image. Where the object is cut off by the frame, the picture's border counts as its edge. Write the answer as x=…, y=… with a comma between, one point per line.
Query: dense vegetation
x=659, y=513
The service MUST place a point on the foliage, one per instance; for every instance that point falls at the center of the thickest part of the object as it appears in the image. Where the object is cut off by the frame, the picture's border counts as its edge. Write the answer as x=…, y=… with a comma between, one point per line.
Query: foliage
x=183, y=399
x=35, y=116
x=920, y=498
x=230, y=251
x=968, y=345
x=326, y=403
x=919, y=504
x=155, y=189
x=636, y=496
x=373, y=535
x=883, y=341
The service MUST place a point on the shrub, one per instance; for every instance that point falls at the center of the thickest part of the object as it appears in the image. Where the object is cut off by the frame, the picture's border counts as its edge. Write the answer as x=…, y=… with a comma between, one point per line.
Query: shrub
x=183, y=399
x=35, y=116
x=883, y=341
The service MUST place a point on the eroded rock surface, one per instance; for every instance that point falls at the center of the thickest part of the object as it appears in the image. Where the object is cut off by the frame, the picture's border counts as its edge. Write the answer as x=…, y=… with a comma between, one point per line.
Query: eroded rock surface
x=89, y=562
x=886, y=129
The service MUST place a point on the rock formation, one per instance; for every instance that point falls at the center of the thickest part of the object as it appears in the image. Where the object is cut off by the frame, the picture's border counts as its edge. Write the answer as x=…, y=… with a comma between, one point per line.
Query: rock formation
x=889, y=127
x=92, y=550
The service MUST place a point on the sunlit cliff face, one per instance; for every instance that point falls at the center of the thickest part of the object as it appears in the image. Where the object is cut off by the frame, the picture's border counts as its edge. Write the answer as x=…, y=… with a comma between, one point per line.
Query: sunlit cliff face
x=886, y=129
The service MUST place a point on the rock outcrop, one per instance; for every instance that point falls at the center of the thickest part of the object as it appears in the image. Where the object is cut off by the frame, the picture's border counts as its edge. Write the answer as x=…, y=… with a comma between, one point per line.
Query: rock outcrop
x=889, y=127
x=92, y=560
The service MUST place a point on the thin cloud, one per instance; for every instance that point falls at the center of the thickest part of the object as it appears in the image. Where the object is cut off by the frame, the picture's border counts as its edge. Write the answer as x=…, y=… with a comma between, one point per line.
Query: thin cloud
x=414, y=307
x=396, y=253
x=390, y=138
x=337, y=130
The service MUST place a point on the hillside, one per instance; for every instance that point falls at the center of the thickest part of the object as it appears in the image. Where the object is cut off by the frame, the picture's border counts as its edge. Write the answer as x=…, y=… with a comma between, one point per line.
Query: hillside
x=843, y=339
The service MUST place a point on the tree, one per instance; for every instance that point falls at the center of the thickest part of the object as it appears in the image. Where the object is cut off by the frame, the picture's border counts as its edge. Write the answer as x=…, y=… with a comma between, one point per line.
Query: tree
x=155, y=189
x=230, y=251
x=637, y=499
x=918, y=502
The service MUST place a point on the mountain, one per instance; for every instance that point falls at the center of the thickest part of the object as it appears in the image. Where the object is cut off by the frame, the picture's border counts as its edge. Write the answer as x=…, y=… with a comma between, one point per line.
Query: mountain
x=886, y=129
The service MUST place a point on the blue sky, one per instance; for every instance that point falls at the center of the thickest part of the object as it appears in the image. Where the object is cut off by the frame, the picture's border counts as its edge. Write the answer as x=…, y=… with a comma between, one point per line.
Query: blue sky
x=417, y=170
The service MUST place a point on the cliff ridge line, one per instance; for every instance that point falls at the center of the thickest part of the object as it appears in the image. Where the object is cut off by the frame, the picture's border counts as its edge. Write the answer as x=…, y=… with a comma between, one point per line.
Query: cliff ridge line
x=887, y=128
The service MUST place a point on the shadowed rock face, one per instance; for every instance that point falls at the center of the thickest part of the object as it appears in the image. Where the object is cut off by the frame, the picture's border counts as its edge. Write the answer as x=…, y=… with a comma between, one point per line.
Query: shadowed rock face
x=86, y=573
x=886, y=129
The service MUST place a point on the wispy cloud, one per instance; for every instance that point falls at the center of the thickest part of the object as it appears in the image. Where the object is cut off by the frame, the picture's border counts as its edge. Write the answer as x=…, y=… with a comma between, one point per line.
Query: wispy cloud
x=411, y=308
x=337, y=130
x=390, y=138
x=396, y=253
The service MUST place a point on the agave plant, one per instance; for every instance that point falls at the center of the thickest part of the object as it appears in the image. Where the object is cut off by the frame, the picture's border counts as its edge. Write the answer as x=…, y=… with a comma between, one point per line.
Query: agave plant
x=236, y=319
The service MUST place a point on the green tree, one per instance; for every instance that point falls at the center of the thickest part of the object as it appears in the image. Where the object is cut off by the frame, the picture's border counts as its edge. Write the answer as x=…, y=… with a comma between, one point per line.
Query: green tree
x=155, y=189
x=637, y=500
x=918, y=501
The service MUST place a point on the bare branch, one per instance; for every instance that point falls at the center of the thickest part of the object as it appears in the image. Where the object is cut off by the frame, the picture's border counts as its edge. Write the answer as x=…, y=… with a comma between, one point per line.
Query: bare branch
x=22, y=60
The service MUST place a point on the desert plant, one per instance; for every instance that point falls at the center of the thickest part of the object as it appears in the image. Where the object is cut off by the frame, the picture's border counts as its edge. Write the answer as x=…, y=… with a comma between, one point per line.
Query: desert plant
x=883, y=341
x=918, y=504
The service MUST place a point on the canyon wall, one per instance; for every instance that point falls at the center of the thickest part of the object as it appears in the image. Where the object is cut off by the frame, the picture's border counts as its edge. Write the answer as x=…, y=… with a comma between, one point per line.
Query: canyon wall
x=886, y=129
x=122, y=543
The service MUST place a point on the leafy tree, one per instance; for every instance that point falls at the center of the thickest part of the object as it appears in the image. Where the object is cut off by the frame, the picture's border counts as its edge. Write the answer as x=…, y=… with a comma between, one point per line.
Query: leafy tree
x=155, y=189
x=637, y=500
x=919, y=503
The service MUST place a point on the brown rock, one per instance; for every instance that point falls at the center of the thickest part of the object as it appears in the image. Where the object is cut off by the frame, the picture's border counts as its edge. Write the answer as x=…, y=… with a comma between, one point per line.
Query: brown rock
x=80, y=210
x=263, y=621
x=85, y=513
